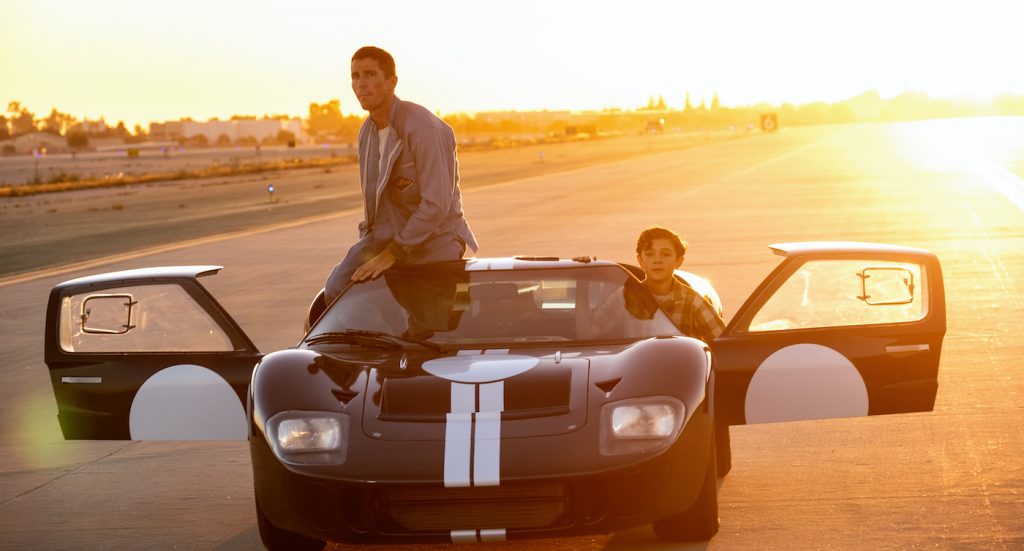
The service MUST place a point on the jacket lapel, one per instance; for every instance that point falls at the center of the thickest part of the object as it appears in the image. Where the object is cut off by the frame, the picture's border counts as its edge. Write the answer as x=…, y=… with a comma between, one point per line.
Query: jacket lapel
x=392, y=149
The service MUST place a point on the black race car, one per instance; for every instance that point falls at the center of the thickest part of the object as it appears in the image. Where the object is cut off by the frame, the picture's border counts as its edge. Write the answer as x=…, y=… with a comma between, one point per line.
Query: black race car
x=495, y=399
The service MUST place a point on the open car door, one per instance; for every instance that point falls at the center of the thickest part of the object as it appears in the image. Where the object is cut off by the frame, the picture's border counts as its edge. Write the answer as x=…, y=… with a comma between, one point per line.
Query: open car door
x=836, y=330
x=147, y=354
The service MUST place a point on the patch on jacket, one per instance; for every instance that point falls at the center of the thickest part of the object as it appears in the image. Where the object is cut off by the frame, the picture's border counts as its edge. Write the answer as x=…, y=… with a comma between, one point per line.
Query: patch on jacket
x=403, y=183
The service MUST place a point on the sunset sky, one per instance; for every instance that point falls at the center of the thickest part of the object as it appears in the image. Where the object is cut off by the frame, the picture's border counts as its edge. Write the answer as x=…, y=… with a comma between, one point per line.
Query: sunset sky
x=141, y=61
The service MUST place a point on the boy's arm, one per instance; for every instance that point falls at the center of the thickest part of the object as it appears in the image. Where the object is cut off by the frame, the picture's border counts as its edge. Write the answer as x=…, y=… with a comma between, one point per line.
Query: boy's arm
x=706, y=321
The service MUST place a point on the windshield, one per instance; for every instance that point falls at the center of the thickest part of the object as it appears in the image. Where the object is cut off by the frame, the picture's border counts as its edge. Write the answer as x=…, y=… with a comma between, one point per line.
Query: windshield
x=457, y=308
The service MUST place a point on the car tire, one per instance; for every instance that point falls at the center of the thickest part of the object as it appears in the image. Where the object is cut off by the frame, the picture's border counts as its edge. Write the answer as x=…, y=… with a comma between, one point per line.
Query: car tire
x=723, y=450
x=700, y=521
x=276, y=539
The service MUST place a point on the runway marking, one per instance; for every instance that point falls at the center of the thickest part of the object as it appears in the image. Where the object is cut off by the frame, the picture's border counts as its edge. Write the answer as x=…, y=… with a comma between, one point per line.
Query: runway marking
x=987, y=250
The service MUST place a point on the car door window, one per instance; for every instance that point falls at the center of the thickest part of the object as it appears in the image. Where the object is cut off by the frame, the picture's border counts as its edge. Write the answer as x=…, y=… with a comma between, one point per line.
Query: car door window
x=838, y=293
x=140, y=318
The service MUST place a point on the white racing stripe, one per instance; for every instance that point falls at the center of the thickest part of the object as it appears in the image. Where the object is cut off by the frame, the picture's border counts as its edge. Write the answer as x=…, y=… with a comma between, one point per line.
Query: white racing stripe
x=492, y=396
x=464, y=536
x=496, y=534
x=472, y=436
x=458, y=435
x=488, y=535
x=487, y=449
x=463, y=398
x=472, y=439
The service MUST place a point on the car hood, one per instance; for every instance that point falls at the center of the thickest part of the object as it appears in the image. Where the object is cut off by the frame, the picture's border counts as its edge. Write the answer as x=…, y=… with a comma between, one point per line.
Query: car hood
x=530, y=394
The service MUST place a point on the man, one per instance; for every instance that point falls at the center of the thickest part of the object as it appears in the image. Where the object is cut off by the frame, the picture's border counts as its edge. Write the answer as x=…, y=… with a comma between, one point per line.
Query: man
x=660, y=252
x=409, y=172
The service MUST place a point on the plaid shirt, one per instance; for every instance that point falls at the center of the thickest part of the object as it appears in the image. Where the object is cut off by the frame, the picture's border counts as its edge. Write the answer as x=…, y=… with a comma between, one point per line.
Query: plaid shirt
x=692, y=313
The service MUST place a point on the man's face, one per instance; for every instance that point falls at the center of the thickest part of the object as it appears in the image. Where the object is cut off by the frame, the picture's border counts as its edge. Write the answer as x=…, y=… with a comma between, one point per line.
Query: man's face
x=371, y=87
x=659, y=259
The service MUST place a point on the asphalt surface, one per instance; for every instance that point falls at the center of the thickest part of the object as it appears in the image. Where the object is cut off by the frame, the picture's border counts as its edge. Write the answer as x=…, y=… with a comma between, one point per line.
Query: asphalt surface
x=952, y=478
x=57, y=229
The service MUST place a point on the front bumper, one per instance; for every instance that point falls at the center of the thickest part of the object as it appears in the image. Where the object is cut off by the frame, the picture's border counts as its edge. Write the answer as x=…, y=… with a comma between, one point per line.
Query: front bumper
x=381, y=512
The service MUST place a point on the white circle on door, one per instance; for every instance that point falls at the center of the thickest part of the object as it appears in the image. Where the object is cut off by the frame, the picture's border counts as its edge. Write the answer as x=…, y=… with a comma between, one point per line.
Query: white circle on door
x=805, y=381
x=186, y=402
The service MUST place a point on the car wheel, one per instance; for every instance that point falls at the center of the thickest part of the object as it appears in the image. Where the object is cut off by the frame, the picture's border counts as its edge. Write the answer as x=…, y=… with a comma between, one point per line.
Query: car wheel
x=700, y=521
x=276, y=539
x=723, y=450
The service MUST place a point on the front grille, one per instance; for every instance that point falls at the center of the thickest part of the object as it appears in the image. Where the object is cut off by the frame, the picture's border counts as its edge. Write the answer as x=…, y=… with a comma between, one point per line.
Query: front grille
x=514, y=506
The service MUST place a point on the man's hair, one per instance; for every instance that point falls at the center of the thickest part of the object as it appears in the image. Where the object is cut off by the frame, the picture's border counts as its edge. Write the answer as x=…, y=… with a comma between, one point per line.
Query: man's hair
x=383, y=59
x=648, y=236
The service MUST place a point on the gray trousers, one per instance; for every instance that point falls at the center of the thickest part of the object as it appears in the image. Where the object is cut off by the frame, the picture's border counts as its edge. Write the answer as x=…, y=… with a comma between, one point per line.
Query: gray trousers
x=363, y=250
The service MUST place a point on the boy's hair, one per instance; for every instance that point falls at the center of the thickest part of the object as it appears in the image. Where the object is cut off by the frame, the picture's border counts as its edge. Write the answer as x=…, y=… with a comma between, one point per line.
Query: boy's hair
x=648, y=236
x=383, y=59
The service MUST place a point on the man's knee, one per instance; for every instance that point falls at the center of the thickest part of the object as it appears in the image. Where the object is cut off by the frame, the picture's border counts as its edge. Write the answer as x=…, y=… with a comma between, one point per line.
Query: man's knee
x=341, y=275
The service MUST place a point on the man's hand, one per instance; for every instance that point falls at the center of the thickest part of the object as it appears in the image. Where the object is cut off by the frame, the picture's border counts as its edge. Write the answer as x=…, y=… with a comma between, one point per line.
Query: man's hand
x=375, y=266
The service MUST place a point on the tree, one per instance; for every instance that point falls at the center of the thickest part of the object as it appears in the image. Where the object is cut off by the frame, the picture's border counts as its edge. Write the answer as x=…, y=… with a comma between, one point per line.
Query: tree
x=223, y=140
x=689, y=106
x=715, y=104
x=57, y=122
x=77, y=140
x=4, y=132
x=661, y=103
x=285, y=136
x=325, y=118
x=22, y=120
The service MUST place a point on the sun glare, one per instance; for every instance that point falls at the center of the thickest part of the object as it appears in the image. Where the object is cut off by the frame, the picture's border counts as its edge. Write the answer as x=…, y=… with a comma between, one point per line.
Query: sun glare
x=141, y=62
x=981, y=148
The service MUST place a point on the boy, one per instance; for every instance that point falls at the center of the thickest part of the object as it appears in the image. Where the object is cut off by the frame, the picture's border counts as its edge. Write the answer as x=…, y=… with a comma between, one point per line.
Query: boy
x=660, y=251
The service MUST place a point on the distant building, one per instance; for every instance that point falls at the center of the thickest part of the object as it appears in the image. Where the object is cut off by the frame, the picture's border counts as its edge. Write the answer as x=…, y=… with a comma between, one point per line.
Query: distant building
x=38, y=143
x=91, y=127
x=234, y=129
x=524, y=119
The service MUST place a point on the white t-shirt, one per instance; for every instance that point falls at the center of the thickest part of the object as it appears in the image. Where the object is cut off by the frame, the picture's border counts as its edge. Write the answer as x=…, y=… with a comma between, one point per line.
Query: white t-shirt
x=382, y=139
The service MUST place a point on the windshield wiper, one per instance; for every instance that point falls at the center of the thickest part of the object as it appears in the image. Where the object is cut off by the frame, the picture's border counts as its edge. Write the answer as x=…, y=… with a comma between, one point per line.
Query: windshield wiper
x=360, y=336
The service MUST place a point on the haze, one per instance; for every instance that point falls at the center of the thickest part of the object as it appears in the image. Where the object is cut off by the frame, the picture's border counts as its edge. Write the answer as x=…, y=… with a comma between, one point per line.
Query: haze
x=139, y=61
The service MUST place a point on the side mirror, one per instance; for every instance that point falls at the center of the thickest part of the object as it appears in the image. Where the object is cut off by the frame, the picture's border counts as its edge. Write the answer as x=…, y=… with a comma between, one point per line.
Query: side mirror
x=107, y=314
x=886, y=285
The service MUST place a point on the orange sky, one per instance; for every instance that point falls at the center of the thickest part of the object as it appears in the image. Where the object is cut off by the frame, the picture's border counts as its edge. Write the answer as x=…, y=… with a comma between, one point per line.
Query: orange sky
x=142, y=61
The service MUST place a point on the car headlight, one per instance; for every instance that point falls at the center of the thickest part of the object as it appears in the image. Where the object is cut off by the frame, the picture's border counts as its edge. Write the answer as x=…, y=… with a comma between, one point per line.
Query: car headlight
x=640, y=425
x=309, y=437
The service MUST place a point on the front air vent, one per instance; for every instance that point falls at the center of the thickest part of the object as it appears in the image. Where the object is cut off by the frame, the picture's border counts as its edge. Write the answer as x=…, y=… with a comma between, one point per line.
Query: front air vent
x=607, y=386
x=344, y=395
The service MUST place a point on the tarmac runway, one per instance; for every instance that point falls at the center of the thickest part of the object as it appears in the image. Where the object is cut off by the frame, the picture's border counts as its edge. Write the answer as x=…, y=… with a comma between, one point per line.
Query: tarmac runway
x=952, y=478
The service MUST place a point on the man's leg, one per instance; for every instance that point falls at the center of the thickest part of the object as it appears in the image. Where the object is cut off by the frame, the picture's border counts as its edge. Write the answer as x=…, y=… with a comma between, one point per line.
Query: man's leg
x=454, y=249
x=362, y=251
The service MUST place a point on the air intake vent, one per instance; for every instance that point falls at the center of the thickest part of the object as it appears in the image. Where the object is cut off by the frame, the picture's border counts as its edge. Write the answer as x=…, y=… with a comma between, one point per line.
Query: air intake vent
x=523, y=506
x=344, y=395
x=607, y=386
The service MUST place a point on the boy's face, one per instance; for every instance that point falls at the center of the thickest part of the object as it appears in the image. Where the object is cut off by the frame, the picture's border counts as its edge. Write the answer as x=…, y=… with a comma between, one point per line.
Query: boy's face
x=659, y=259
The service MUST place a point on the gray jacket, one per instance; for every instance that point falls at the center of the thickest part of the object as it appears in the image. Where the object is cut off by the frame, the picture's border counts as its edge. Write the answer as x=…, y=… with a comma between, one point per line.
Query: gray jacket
x=412, y=202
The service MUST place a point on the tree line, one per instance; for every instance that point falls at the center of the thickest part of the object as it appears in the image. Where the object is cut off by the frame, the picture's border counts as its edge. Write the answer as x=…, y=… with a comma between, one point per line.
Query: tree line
x=325, y=122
